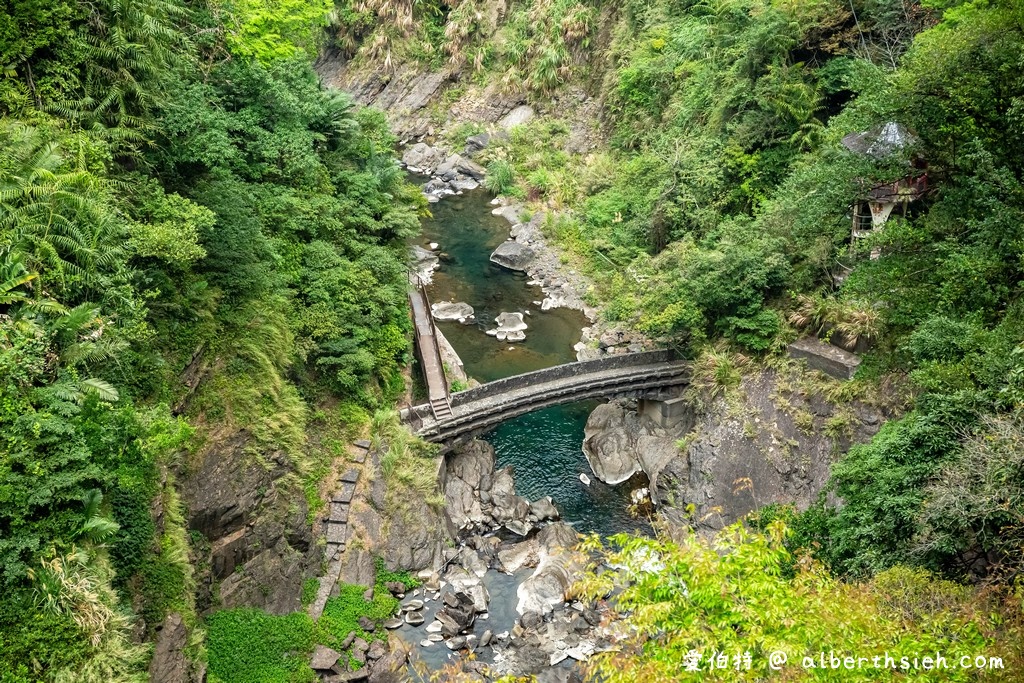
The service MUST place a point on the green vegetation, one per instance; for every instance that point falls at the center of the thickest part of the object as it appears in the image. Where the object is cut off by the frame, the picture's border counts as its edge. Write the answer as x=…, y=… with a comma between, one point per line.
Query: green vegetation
x=408, y=463
x=285, y=642
x=193, y=233
x=281, y=655
x=746, y=593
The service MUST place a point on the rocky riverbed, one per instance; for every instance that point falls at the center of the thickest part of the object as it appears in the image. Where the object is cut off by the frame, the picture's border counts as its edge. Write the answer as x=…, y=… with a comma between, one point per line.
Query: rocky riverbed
x=501, y=532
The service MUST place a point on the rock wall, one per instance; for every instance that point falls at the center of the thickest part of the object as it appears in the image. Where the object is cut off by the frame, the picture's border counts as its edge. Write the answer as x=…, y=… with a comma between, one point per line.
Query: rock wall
x=762, y=443
x=258, y=546
x=395, y=524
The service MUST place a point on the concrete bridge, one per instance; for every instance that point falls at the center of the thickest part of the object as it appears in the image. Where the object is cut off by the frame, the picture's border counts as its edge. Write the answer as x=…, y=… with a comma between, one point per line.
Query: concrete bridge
x=655, y=376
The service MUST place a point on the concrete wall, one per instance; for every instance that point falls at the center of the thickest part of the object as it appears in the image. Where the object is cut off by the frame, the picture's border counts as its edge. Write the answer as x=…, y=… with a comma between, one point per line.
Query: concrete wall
x=668, y=413
x=566, y=371
x=824, y=357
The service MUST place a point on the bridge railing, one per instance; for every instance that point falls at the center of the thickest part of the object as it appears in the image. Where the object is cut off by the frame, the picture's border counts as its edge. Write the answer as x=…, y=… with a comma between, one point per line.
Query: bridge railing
x=565, y=371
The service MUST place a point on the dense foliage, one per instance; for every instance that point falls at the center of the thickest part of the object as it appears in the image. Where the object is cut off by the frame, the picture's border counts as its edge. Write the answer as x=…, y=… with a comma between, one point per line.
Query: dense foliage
x=700, y=607
x=178, y=195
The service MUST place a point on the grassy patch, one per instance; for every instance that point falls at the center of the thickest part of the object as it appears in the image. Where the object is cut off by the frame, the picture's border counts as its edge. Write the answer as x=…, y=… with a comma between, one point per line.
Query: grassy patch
x=251, y=646
x=309, y=591
x=408, y=463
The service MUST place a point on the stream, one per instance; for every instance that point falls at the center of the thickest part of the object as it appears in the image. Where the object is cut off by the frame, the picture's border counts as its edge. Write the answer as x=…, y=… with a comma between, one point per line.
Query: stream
x=544, y=447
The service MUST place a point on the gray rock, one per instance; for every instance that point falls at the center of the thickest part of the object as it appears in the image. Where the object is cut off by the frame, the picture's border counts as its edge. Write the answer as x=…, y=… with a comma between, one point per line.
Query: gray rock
x=423, y=158
x=544, y=509
x=169, y=663
x=546, y=588
x=376, y=651
x=449, y=627
x=475, y=143
x=414, y=618
x=324, y=658
x=367, y=624
x=480, y=598
x=531, y=620
x=510, y=322
x=456, y=643
x=393, y=623
x=519, y=527
x=558, y=535
x=517, y=117
x=608, y=445
x=519, y=555
x=513, y=255
x=461, y=184
x=471, y=561
x=451, y=310
x=455, y=165
x=387, y=668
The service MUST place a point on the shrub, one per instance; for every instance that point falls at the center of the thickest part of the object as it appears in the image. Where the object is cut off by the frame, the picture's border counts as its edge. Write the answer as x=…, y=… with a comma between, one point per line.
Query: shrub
x=500, y=177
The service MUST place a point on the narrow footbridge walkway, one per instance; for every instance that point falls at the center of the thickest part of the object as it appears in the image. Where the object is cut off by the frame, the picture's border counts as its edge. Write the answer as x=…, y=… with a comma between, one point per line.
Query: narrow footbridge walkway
x=429, y=354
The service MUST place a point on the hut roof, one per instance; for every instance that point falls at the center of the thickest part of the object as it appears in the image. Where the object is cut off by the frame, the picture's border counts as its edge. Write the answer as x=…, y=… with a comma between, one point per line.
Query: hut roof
x=880, y=141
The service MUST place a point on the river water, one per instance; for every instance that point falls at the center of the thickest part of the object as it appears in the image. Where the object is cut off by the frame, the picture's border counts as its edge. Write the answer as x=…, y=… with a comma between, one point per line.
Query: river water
x=544, y=447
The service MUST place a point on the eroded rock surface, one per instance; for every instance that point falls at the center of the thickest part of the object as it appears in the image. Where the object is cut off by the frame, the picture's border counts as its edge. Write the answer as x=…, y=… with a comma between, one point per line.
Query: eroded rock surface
x=609, y=442
x=452, y=310
x=481, y=499
x=259, y=552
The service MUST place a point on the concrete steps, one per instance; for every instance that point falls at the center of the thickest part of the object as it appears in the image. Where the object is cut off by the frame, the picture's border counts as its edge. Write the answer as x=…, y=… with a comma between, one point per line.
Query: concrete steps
x=336, y=530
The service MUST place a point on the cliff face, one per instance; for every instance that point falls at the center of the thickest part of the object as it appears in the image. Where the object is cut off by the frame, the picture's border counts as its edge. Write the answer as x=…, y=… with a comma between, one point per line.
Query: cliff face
x=257, y=547
x=770, y=440
x=423, y=104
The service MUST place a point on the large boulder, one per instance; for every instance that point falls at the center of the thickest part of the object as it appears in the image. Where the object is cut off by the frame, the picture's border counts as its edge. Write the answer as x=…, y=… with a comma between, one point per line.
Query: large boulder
x=475, y=143
x=451, y=310
x=456, y=165
x=546, y=589
x=472, y=463
x=555, y=536
x=544, y=509
x=510, y=322
x=608, y=444
x=513, y=255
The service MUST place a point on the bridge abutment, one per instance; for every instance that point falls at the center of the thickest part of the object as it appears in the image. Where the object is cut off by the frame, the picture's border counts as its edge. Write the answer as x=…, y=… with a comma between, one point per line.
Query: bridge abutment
x=668, y=413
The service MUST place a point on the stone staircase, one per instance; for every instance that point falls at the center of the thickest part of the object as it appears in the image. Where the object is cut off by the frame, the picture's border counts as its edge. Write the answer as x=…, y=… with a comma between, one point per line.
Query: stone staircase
x=441, y=408
x=336, y=529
